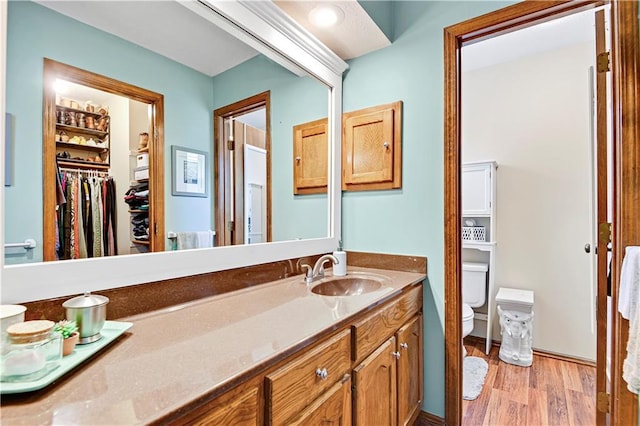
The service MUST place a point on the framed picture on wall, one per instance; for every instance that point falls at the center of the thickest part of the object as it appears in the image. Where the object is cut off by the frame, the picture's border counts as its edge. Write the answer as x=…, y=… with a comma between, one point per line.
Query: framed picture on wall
x=188, y=172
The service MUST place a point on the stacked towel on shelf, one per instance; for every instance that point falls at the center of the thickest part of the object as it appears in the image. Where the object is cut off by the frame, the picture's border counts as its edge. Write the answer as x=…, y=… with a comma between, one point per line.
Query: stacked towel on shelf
x=629, y=308
x=192, y=240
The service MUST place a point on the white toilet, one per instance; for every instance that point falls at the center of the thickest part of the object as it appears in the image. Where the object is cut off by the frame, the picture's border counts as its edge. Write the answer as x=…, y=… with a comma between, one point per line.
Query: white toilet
x=474, y=293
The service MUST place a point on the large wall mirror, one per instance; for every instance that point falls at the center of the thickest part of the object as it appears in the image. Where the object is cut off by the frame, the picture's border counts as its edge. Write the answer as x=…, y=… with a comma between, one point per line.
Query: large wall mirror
x=199, y=56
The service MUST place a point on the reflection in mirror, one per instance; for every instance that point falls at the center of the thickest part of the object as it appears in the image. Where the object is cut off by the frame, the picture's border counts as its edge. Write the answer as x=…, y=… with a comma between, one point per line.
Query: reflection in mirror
x=151, y=45
x=95, y=176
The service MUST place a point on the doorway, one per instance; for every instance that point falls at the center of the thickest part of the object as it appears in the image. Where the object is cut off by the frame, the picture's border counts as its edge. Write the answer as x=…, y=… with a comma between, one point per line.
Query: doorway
x=499, y=22
x=529, y=109
x=150, y=103
x=242, y=147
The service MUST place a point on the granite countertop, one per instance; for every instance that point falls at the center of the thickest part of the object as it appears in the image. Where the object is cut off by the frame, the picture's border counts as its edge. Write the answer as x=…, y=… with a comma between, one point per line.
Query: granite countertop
x=173, y=356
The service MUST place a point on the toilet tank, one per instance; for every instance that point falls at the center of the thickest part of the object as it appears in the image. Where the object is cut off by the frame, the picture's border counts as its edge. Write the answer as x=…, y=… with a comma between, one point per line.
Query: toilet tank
x=474, y=283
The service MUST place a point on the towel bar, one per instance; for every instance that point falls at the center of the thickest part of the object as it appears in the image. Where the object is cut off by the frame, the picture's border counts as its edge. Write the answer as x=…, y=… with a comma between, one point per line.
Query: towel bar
x=28, y=244
x=173, y=235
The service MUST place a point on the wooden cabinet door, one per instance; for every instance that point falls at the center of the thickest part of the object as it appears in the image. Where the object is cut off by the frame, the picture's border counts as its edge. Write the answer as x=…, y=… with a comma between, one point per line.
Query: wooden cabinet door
x=333, y=408
x=375, y=387
x=238, y=407
x=372, y=157
x=409, y=339
x=384, y=322
x=310, y=157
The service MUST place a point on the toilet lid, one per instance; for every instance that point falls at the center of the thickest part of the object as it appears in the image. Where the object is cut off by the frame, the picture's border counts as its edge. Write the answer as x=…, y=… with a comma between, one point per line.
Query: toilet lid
x=467, y=312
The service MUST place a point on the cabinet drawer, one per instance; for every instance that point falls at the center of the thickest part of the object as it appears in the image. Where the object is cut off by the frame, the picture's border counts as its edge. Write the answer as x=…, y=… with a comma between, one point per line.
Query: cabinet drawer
x=370, y=332
x=241, y=406
x=295, y=385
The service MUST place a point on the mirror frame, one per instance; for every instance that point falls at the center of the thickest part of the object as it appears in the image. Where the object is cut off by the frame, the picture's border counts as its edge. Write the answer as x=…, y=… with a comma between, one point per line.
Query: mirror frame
x=264, y=27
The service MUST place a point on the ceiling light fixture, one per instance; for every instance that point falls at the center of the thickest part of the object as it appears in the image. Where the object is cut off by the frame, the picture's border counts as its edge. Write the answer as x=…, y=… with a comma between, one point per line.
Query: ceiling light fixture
x=326, y=15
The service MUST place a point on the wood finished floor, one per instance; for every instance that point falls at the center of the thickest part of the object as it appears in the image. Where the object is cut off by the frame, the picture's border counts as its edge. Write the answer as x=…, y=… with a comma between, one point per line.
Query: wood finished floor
x=550, y=392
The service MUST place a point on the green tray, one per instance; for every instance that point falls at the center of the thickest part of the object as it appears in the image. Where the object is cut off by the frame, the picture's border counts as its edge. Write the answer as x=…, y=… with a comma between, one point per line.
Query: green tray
x=110, y=332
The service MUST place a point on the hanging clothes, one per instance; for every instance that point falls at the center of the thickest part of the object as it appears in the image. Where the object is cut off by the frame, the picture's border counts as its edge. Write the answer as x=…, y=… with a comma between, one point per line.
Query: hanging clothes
x=97, y=213
x=86, y=221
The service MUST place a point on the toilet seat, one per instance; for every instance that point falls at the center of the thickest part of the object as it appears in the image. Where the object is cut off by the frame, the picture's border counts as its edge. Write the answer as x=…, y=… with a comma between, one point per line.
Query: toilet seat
x=467, y=312
x=467, y=320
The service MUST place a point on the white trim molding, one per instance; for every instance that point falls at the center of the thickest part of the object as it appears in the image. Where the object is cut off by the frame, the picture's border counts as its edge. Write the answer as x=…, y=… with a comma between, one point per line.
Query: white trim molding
x=270, y=32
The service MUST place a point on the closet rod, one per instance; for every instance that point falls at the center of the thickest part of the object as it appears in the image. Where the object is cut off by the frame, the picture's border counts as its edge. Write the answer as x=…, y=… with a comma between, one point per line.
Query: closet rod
x=84, y=171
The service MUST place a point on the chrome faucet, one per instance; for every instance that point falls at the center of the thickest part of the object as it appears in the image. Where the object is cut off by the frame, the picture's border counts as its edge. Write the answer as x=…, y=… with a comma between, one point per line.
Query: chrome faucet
x=317, y=272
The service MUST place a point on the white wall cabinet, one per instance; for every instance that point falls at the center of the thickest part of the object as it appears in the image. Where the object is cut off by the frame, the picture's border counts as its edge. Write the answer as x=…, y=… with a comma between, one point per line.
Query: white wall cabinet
x=479, y=204
x=477, y=189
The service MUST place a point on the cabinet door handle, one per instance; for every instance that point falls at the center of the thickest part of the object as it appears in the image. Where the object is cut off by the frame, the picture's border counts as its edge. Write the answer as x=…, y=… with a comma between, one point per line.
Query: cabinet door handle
x=322, y=374
x=386, y=145
x=396, y=354
x=404, y=345
x=298, y=159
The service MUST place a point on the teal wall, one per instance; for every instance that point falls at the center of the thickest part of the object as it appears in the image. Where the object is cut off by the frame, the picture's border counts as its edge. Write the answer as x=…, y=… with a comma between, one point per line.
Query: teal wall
x=35, y=32
x=294, y=100
x=410, y=220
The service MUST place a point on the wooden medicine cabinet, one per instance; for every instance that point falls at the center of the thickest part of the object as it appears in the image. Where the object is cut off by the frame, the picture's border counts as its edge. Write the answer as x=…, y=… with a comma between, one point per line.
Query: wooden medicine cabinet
x=371, y=151
x=372, y=148
x=310, y=157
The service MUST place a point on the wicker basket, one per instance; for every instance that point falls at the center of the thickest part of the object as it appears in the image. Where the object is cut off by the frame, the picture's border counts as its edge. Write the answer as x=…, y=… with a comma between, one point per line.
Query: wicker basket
x=474, y=233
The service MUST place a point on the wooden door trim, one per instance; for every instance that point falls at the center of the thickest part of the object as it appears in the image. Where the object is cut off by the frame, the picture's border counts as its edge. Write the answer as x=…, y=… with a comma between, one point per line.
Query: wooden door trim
x=626, y=229
x=601, y=210
x=219, y=115
x=53, y=70
x=626, y=189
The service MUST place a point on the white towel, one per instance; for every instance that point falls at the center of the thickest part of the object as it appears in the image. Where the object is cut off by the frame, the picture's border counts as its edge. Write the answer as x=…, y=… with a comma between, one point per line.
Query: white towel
x=205, y=239
x=629, y=308
x=193, y=240
x=186, y=240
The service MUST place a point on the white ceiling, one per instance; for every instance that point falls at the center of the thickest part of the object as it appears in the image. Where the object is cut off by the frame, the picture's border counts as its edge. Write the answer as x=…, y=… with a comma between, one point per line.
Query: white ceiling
x=174, y=31
x=550, y=35
x=257, y=119
x=164, y=27
x=355, y=36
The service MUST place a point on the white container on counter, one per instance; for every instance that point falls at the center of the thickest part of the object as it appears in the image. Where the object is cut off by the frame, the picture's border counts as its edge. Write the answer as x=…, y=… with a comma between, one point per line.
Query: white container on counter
x=30, y=351
x=10, y=314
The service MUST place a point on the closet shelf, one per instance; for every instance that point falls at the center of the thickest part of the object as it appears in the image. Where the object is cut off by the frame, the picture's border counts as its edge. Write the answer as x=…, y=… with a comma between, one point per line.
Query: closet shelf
x=138, y=211
x=83, y=147
x=92, y=114
x=141, y=242
x=479, y=245
x=83, y=130
x=81, y=164
x=146, y=149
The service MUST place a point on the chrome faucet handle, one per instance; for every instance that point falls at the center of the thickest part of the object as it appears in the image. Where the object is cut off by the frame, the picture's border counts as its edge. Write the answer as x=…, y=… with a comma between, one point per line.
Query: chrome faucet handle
x=308, y=273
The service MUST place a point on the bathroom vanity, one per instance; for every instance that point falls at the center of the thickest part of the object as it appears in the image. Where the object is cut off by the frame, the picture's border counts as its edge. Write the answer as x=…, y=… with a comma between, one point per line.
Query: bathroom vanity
x=271, y=354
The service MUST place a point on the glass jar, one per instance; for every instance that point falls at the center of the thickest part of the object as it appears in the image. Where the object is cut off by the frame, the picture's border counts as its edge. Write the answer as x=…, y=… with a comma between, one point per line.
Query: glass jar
x=30, y=351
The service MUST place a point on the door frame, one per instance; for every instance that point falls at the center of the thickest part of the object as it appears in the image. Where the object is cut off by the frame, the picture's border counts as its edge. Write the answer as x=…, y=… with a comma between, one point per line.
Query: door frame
x=626, y=230
x=54, y=70
x=221, y=165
